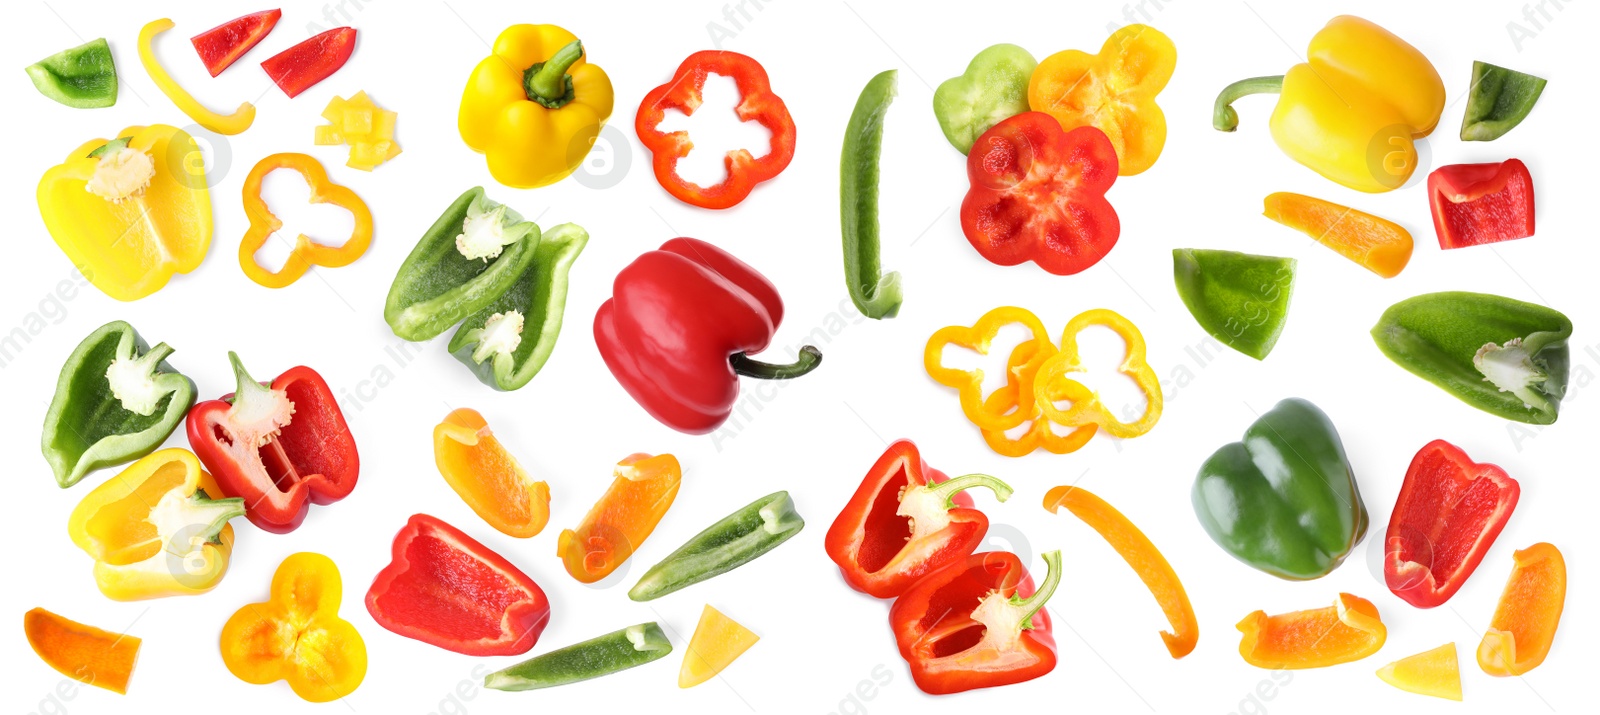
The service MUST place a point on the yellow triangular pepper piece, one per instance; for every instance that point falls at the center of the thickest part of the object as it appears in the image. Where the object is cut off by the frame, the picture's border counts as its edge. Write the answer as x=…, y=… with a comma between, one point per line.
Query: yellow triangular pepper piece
x=1434, y=672
x=717, y=642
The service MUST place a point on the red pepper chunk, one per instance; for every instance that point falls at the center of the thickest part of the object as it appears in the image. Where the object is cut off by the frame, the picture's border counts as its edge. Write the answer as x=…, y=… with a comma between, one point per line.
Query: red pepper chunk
x=221, y=46
x=1038, y=194
x=296, y=69
x=1450, y=510
x=1474, y=204
x=444, y=588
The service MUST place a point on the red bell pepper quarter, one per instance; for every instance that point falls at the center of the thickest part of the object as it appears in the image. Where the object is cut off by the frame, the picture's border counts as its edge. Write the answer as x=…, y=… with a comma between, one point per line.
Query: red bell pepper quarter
x=221, y=46
x=1474, y=204
x=296, y=69
x=757, y=103
x=905, y=521
x=282, y=447
x=678, y=329
x=444, y=588
x=1038, y=194
x=977, y=623
x=1449, y=511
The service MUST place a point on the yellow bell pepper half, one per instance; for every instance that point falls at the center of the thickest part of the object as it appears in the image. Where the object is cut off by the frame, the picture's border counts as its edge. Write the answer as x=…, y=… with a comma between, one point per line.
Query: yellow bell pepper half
x=534, y=107
x=1114, y=91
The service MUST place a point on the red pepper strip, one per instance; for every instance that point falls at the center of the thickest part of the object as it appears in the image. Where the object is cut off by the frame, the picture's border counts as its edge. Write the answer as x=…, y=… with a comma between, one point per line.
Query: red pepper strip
x=1449, y=511
x=221, y=46
x=757, y=103
x=444, y=588
x=902, y=495
x=1474, y=204
x=296, y=69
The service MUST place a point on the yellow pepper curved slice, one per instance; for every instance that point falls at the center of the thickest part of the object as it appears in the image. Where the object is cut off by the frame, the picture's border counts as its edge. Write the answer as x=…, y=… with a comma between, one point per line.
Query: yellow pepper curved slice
x=297, y=634
x=82, y=652
x=1435, y=672
x=1376, y=244
x=306, y=253
x=1093, y=410
x=229, y=124
x=640, y=494
x=1039, y=432
x=969, y=383
x=1525, y=621
x=487, y=477
x=1348, y=630
x=1113, y=91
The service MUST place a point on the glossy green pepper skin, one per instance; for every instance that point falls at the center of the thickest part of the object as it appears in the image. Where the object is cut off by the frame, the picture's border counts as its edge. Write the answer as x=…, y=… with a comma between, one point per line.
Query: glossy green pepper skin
x=1283, y=499
x=1240, y=299
x=724, y=546
x=539, y=296
x=1498, y=101
x=611, y=653
x=876, y=295
x=1500, y=355
x=83, y=77
x=993, y=89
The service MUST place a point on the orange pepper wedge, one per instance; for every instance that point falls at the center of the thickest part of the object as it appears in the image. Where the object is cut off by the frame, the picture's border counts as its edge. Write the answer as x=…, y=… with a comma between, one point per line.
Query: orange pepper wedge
x=969, y=383
x=640, y=494
x=306, y=253
x=1039, y=433
x=1376, y=244
x=1135, y=548
x=487, y=477
x=82, y=652
x=1530, y=608
x=1348, y=630
x=297, y=634
x=1091, y=410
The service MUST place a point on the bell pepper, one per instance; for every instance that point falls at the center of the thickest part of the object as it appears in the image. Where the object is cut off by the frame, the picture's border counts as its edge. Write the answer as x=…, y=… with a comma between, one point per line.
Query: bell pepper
x=365, y=127
x=487, y=477
x=297, y=634
x=1113, y=91
x=757, y=103
x=534, y=106
x=1449, y=511
x=306, y=253
x=155, y=530
x=1475, y=204
x=283, y=446
x=1435, y=672
x=1283, y=500
x=1376, y=244
x=717, y=641
x=680, y=326
x=82, y=77
x=1038, y=194
x=444, y=588
x=1497, y=101
x=1092, y=410
x=226, y=124
x=1040, y=432
x=1240, y=299
x=117, y=400
x=121, y=213
x=977, y=623
x=1525, y=621
x=736, y=540
x=1502, y=356
x=993, y=88
x=221, y=46
x=1349, y=630
x=969, y=383
x=641, y=491
x=875, y=294
x=905, y=521
x=613, y=652
x=296, y=69
x=508, y=341
x=82, y=652
x=1352, y=111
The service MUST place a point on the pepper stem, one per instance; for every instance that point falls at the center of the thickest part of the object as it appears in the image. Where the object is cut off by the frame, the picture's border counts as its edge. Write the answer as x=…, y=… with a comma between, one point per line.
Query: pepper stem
x=1223, y=118
x=950, y=487
x=547, y=82
x=1052, y=578
x=809, y=359
x=244, y=384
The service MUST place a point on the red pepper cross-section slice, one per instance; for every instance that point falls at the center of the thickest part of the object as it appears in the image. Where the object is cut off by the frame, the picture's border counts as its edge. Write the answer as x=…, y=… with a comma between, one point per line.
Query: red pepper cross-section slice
x=1449, y=511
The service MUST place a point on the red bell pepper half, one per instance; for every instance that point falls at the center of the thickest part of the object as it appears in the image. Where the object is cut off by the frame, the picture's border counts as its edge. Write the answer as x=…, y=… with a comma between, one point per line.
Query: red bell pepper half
x=905, y=521
x=296, y=69
x=1474, y=204
x=282, y=447
x=678, y=328
x=1450, y=510
x=977, y=623
x=221, y=46
x=757, y=103
x=444, y=588
x=1038, y=194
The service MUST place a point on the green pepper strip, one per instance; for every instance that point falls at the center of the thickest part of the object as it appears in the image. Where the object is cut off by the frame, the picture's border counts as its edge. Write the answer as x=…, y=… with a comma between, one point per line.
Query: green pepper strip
x=611, y=653
x=724, y=546
x=1498, y=101
x=83, y=77
x=876, y=296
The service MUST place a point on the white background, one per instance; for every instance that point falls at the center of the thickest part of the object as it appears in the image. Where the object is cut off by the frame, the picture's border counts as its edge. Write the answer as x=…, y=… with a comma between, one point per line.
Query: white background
x=824, y=648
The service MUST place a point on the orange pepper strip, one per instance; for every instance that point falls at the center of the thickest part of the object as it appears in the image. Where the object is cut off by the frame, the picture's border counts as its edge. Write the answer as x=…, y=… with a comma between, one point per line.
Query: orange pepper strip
x=969, y=383
x=1376, y=244
x=82, y=652
x=487, y=477
x=306, y=253
x=1147, y=561
x=1039, y=432
x=639, y=496
x=1092, y=410
x=1348, y=630
x=297, y=634
x=1525, y=622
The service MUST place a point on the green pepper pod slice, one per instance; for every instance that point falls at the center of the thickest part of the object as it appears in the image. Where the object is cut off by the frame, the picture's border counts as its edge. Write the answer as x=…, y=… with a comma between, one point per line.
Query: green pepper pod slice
x=877, y=296
x=993, y=89
x=1499, y=99
x=611, y=653
x=1240, y=299
x=84, y=77
x=724, y=546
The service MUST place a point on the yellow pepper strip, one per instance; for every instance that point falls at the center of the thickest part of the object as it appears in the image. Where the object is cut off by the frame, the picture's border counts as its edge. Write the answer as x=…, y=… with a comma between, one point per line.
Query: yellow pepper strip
x=1135, y=548
x=1435, y=672
x=306, y=253
x=1529, y=611
x=1113, y=91
x=487, y=477
x=1376, y=244
x=969, y=383
x=1039, y=432
x=229, y=124
x=365, y=127
x=1092, y=410
x=1348, y=630
x=297, y=634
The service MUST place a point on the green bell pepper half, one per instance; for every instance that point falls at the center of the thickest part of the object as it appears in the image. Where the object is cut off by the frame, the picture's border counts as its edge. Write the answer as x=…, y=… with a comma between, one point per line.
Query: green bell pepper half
x=993, y=89
x=508, y=341
x=724, y=546
x=1498, y=100
x=611, y=653
x=1240, y=299
x=877, y=296
x=83, y=77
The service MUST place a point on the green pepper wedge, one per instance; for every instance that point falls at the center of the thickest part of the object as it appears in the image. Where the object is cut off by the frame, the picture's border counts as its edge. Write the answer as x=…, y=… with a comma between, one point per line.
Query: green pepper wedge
x=1499, y=99
x=1240, y=299
x=876, y=296
x=722, y=547
x=83, y=77
x=611, y=653
x=994, y=88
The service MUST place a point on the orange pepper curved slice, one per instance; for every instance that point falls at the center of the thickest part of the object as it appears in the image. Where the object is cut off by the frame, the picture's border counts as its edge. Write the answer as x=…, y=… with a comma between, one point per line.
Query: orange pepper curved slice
x=969, y=383
x=1348, y=630
x=1039, y=432
x=1092, y=410
x=82, y=652
x=1530, y=608
x=1376, y=244
x=487, y=477
x=297, y=634
x=306, y=253
x=229, y=124
x=640, y=494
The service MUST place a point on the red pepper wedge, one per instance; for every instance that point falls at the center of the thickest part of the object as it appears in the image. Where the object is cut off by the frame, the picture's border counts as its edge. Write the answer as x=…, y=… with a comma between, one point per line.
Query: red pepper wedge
x=757, y=104
x=296, y=69
x=221, y=46
x=1475, y=204
x=905, y=521
x=444, y=588
x=1450, y=510
x=281, y=446
x=1038, y=194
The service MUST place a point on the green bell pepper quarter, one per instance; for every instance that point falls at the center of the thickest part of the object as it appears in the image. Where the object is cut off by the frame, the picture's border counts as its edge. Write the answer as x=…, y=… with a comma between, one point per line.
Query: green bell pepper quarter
x=83, y=77
x=1240, y=299
x=877, y=296
x=117, y=400
x=1283, y=500
x=1500, y=355
x=1498, y=100
x=724, y=546
x=993, y=89
x=611, y=653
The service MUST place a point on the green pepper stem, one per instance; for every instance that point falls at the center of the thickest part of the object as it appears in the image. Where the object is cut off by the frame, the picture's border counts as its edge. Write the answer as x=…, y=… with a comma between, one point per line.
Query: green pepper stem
x=1052, y=578
x=548, y=82
x=950, y=487
x=1223, y=118
x=222, y=511
x=151, y=360
x=809, y=359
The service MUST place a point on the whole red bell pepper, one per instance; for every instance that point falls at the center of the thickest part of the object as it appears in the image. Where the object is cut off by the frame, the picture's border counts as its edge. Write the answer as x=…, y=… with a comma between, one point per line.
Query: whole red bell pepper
x=1449, y=511
x=296, y=69
x=282, y=447
x=678, y=329
x=1038, y=194
x=444, y=588
x=905, y=521
x=1474, y=204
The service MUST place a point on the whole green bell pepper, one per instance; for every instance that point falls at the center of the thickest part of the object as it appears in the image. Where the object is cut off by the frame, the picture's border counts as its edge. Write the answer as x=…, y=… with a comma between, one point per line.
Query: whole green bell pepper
x=1500, y=355
x=84, y=77
x=1283, y=500
x=1240, y=299
x=1499, y=99
x=993, y=89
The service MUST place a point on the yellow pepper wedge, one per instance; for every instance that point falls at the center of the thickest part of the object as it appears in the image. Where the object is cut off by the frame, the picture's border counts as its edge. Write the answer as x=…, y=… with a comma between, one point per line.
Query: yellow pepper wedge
x=133, y=214
x=229, y=124
x=297, y=634
x=1092, y=410
x=969, y=383
x=534, y=107
x=1113, y=91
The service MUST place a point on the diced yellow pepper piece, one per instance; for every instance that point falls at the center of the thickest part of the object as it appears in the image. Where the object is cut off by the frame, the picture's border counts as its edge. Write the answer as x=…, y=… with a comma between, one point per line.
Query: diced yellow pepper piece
x=718, y=640
x=1435, y=672
x=363, y=126
x=328, y=135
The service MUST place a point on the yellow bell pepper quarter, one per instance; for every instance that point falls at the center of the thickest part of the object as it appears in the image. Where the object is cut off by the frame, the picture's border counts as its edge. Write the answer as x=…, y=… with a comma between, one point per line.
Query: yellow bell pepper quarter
x=297, y=634
x=132, y=211
x=1113, y=91
x=534, y=107
x=229, y=124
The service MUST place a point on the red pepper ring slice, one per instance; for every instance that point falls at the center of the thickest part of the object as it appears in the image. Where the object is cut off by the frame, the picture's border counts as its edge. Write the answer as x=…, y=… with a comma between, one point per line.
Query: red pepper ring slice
x=306, y=253
x=1039, y=433
x=969, y=383
x=1093, y=410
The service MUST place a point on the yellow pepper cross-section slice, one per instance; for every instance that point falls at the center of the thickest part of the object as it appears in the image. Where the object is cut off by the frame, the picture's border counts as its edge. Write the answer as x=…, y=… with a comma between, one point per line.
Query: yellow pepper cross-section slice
x=229, y=124
x=1348, y=630
x=306, y=253
x=642, y=489
x=718, y=640
x=1525, y=621
x=1113, y=91
x=365, y=127
x=297, y=634
x=82, y=652
x=1039, y=432
x=1376, y=244
x=969, y=383
x=487, y=477
x=1093, y=410
x=1435, y=672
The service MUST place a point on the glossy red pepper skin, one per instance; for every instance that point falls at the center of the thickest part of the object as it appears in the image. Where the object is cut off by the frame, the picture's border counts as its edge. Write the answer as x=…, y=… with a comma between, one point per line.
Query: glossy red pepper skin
x=296, y=69
x=444, y=588
x=221, y=46
x=1475, y=204
x=936, y=635
x=1038, y=194
x=1448, y=514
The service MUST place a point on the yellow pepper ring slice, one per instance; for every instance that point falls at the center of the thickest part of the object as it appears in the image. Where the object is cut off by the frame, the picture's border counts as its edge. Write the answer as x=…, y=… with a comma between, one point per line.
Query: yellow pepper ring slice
x=306, y=253
x=1093, y=410
x=229, y=124
x=969, y=383
x=1039, y=432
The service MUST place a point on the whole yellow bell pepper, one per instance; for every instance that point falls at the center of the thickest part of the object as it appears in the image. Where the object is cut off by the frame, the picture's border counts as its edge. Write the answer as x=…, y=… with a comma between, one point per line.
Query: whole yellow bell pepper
x=534, y=107
x=1353, y=109
x=1114, y=91
x=131, y=211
